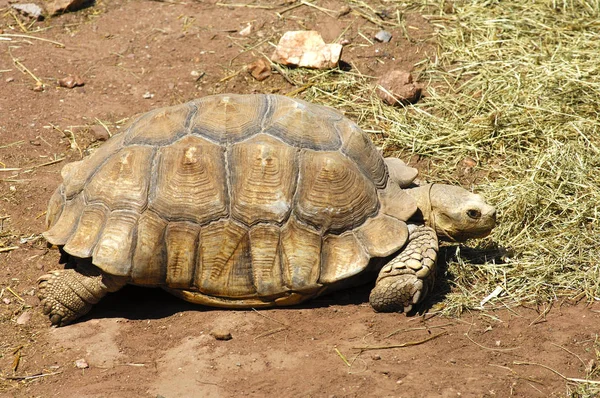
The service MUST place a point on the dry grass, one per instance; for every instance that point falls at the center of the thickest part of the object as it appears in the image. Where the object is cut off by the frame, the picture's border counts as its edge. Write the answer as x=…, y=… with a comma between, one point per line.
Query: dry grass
x=515, y=86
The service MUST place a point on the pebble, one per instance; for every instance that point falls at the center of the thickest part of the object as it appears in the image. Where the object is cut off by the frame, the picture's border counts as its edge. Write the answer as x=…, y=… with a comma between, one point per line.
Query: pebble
x=30, y=10
x=397, y=88
x=246, y=31
x=99, y=133
x=376, y=357
x=71, y=81
x=6, y=300
x=383, y=36
x=259, y=69
x=221, y=335
x=81, y=364
x=306, y=48
x=9, y=79
x=24, y=318
x=148, y=95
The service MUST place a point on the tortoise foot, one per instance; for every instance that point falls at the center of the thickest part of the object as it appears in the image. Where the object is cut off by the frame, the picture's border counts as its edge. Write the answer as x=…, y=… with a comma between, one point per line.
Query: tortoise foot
x=59, y=297
x=67, y=294
x=409, y=277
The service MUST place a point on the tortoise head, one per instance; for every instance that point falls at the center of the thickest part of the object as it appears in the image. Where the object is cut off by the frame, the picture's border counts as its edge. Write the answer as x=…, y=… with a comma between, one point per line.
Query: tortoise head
x=455, y=213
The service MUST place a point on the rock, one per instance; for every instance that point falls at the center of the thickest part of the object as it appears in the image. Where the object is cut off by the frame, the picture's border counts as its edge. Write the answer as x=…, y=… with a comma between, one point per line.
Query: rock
x=24, y=318
x=246, y=31
x=6, y=300
x=259, y=69
x=221, y=334
x=306, y=48
x=197, y=75
x=99, y=133
x=9, y=79
x=30, y=10
x=81, y=364
x=71, y=81
x=39, y=87
x=148, y=95
x=344, y=10
x=397, y=88
x=383, y=36
x=58, y=6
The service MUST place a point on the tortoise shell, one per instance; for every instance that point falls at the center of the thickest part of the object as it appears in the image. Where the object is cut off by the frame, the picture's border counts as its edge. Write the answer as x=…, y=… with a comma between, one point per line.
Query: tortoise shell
x=233, y=197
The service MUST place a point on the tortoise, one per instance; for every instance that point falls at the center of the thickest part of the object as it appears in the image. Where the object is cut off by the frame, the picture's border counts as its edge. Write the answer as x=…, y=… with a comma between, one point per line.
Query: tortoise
x=248, y=201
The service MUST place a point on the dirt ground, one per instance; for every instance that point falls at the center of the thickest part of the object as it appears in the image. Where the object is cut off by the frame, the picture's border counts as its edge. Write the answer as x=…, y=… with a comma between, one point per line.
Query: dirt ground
x=136, y=55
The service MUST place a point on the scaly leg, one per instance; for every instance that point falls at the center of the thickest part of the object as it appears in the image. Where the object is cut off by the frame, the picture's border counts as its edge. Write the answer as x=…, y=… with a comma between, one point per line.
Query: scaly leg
x=407, y=278
x=67, y=294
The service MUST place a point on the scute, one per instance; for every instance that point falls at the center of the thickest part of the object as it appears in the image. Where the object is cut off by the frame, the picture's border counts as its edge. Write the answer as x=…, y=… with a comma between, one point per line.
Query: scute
x=225, y=261
x=114, y=249
x=191, y=182
x=182, y=245
x=122, y=182
x=263, y=179
x=55, y=206
x=82, y=241
x=304, y=125
x=265, y=253
x=358, y=147
x=300, y=256
x=161, y=126
x=229, y=118
x=342, y=257
x=149, y=265
x=333, y=194
x=63, y=227
x=382, y=235
x=76, y=174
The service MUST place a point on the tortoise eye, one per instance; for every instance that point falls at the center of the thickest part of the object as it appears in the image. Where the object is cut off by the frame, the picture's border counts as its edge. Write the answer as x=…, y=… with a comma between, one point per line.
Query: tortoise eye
x=474, y=214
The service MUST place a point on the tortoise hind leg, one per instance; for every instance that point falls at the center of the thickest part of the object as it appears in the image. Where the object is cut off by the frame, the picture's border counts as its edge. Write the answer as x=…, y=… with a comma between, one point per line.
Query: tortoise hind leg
x=407, y=278
x=67, y=294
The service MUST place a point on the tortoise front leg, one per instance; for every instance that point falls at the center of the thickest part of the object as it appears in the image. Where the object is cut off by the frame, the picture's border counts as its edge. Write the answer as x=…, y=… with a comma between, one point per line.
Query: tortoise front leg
x=67, y=294
x=407, y=278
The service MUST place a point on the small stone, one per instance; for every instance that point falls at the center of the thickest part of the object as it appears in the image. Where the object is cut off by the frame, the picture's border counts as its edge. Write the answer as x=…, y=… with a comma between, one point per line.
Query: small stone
x=35, y=142
x=39, y=87
x=30, y=10
x=58, y=6
x=9, y=79
x=6, y=300
x=306, y=48
x=148, y=95
x=246, y=31
x=376, y=357
x=469, y=162
x=99, y=133
x=259, y=69
x=221, y=335
x=383, y=36
x=397, y=88
x=81, y=364
x=24, y=318
x=71, y=81
x=197, y=75
x=344, y=10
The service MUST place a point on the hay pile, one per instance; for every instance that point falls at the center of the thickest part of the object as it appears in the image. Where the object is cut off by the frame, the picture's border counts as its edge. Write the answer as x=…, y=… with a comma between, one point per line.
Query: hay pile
x=514, y=88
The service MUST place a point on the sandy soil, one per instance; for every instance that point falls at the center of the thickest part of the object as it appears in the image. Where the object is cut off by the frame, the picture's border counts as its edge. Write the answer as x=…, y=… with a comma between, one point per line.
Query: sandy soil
x=143, y=342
